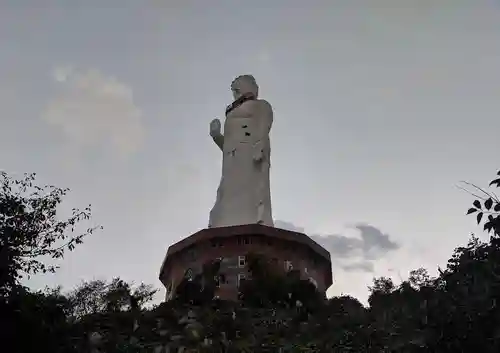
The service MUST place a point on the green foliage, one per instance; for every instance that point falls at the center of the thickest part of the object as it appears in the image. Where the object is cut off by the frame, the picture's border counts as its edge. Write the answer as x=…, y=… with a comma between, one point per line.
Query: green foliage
x=36, y=322
x=419, y=278
x=199, y=290
x=98, y=296
x=30, y=229
x=488, y=211
x=271, y=288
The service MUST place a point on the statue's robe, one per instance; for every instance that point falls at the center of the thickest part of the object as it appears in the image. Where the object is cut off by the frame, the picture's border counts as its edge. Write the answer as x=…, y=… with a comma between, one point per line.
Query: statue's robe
x=244, y=195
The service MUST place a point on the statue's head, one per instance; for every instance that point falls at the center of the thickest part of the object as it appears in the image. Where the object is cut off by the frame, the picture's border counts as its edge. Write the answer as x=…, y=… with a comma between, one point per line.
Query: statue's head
x=244, y=85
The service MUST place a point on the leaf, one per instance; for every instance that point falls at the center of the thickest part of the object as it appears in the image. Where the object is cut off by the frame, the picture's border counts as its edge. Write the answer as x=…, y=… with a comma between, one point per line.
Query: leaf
x=497, y=207
x=479, y=217
x=471, y=210
x=496, y=181
x=477, y=204
x=488, y=203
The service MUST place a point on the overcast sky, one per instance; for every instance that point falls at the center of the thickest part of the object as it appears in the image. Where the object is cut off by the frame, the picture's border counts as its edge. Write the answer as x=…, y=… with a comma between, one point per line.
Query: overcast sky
x=381, y=108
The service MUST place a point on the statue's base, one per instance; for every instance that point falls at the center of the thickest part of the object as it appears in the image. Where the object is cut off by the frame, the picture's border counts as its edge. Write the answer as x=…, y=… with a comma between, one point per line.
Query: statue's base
x=287, y=249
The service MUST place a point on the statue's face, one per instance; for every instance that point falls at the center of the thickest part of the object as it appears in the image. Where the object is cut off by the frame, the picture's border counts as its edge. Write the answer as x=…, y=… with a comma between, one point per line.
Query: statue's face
x=236, y=91
x=243, y=86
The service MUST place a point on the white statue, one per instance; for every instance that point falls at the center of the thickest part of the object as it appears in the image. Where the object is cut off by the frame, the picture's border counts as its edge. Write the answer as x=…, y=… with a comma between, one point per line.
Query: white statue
x=244, y=195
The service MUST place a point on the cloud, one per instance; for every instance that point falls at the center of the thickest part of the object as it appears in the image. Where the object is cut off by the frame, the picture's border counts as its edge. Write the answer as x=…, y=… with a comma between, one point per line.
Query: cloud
x=92, y=109
x=363, y=266
x=288, y=226
x=372, y=243
x=61, y=73
x=375, y=243
x=352, y=253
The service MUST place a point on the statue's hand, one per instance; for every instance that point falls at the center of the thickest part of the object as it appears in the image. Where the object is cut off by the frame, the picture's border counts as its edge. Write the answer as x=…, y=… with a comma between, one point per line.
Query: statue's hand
x=215, y=127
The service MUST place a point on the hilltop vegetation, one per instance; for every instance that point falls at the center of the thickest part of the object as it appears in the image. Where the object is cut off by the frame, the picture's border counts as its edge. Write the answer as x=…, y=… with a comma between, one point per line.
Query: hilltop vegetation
x=456, y=311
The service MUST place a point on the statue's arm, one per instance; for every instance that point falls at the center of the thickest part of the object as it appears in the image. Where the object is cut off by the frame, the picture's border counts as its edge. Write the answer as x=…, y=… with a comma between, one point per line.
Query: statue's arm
x=219, y=141
x=265, y=114
x=215, y=132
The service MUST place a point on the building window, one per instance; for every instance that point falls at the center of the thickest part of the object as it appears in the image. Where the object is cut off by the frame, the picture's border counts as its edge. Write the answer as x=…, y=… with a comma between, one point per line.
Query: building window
x=288, y=265
x=241, y=277
x=244, y=241
x=241, y=261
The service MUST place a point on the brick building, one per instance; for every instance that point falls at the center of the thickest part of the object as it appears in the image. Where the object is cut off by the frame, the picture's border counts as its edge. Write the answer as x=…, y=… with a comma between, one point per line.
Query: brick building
x=286, y=249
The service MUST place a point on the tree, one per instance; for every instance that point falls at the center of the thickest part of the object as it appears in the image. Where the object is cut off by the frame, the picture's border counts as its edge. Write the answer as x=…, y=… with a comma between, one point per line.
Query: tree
x=270, y=287
x=200, y=288
x=490, y=206
x=382, y=287
x=88, y=298
x=98, y=296
x=419, y=278
x=463, y=313
x=42, y=315
x=30, y=229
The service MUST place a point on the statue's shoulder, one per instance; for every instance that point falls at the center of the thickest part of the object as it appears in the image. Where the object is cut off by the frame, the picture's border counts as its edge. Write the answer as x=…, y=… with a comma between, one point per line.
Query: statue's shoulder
x=264, y=105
